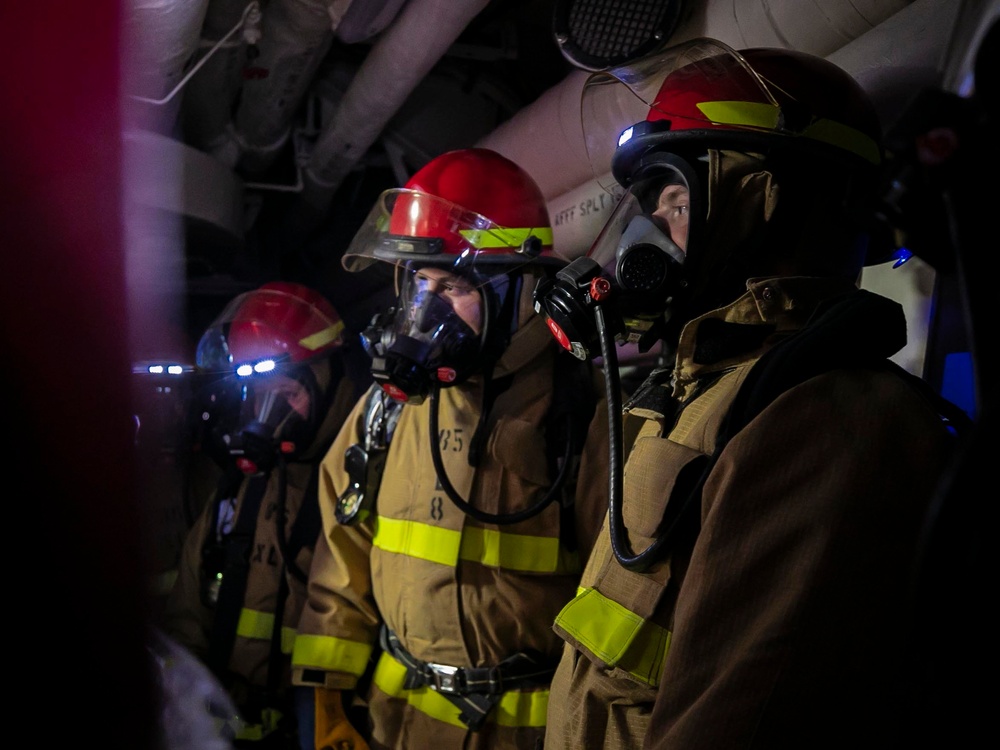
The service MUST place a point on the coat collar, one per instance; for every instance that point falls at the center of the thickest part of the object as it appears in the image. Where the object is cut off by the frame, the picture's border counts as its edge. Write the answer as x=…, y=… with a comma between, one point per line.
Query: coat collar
x=742, y=331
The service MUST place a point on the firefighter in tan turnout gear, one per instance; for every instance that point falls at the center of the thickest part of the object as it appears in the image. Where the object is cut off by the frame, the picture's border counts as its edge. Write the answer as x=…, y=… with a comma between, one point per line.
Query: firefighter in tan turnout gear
x=282, y=385
x=446, y=557
x=750, y=588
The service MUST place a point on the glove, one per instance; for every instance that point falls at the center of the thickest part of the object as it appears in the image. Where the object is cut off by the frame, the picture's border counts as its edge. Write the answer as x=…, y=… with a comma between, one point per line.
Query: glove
x=333, y=730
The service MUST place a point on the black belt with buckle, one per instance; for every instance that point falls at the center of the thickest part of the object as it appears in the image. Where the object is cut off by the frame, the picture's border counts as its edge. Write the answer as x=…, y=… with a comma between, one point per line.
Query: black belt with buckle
x=474, y=690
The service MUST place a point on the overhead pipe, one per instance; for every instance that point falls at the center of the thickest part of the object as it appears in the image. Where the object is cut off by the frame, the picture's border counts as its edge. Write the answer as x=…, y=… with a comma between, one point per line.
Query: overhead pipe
x=296, y=36
x=546, y=137
x=210, y=95
x=398, y=61
x=161, y=36
x=162, y=66
x=265, y=75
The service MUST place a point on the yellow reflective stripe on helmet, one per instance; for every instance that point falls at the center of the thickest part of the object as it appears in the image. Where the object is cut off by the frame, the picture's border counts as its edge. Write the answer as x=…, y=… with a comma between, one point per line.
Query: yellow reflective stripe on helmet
x=495, y=549
x=751, y=114
x=846, y=137
x=331, y=654
x=317, y=340
x=516, y=708
x=616, y=635
x=260, y=625
x=758, y=115
x=505, y=237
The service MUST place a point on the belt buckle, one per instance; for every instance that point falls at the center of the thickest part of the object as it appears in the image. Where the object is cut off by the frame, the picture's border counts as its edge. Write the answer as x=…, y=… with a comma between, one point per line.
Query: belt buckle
x=445, y=678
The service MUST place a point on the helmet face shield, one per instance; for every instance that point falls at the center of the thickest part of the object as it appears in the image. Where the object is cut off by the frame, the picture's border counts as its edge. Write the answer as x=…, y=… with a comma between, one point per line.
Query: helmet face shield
x=704, y=94
x=408, y=225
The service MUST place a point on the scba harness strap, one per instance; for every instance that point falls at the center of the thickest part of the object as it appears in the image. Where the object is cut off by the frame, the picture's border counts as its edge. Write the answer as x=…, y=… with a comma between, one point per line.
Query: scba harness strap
x=364, y=463
x=473, y=690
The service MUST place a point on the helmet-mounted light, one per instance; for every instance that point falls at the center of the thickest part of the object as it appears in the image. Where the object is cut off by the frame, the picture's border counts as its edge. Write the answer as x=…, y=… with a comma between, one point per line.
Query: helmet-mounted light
x=262, y=367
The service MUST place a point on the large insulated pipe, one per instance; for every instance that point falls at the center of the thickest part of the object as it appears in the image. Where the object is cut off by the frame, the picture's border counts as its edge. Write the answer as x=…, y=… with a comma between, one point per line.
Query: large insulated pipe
x=296, y=36
x=160, y=37
x=211, y=93
x=401, y=57
x=546, y=137
x=271, y=78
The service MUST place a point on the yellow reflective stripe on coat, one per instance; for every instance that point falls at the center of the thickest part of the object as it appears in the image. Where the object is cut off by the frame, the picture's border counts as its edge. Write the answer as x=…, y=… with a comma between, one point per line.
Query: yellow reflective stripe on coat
x=760, y=115
x=505, y=236
x=331, y=654
x=260, y=625
x=489, y=547
x=617, y=636
x=516, y=708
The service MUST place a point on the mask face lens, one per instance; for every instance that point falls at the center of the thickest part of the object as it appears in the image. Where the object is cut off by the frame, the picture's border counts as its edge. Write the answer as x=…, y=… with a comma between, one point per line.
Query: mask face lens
x=672, y=211
x=279, y=388
x=642, y=247
x=651, y=220
x=277, y=403
x=460, y=295
x=433, y=334
x=274, y=416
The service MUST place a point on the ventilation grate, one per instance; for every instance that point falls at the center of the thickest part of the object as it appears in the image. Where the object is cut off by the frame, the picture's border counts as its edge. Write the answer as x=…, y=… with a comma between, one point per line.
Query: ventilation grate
x=599, y=34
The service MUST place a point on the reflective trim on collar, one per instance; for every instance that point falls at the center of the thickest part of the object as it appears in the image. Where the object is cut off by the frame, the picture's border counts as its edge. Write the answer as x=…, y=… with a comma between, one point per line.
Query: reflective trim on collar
x=489, y=547
x=616, y=635
x=260, y=626
x=331, y=654
x=516, y=708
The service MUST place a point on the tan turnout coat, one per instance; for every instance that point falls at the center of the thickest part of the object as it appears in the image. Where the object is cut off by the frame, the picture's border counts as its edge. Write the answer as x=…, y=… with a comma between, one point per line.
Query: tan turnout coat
x=776, y=626
x=455, y=591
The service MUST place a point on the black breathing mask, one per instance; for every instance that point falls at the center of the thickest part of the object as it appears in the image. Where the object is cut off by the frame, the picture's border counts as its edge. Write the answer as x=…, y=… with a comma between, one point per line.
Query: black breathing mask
x=255, y=425
x=424, y=340
x=634, y=269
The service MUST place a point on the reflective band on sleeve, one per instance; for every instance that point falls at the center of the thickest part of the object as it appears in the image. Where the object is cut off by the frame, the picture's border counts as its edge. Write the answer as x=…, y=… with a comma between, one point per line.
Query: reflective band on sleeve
x=516, y=708
x=489, y=547
x=260, y=625
x=505, y=236
x=759, y=115
x=331, y=654
x=615, y=635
